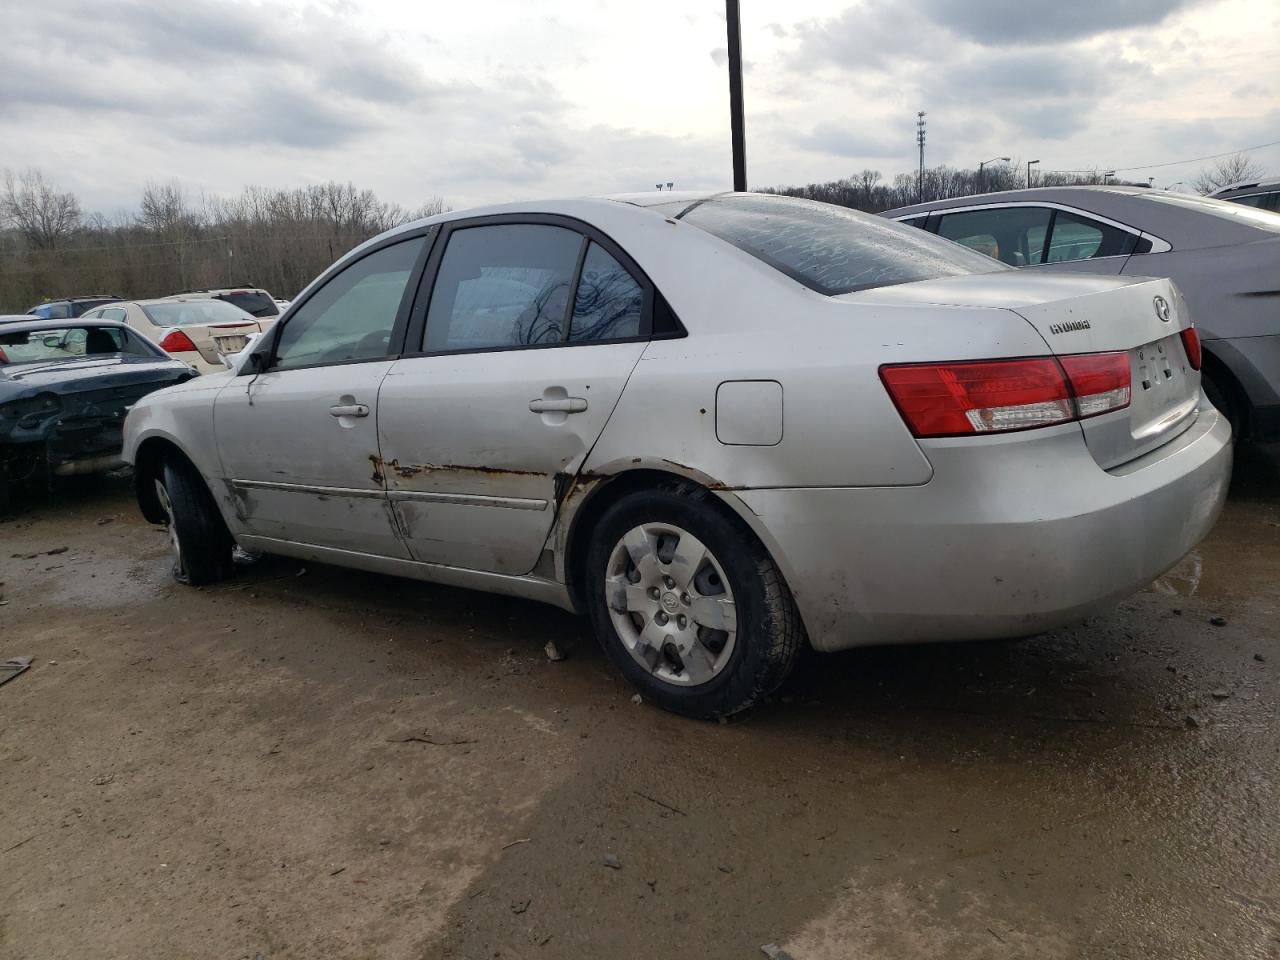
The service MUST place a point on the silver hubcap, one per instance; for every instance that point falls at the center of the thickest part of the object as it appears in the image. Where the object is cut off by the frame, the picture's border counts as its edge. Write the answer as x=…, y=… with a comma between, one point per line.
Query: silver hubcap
x=179, y=564
x=671, y=604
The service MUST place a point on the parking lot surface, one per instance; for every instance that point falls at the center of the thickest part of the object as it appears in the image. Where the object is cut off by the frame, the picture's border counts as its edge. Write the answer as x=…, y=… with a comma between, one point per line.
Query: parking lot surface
x=316, y=762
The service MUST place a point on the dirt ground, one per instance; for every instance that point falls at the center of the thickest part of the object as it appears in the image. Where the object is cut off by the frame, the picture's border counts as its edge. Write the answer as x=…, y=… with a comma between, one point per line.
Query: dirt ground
x=312, y=762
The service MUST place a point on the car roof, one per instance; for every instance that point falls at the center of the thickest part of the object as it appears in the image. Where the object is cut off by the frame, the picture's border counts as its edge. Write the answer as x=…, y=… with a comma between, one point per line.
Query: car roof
x=1173, y=217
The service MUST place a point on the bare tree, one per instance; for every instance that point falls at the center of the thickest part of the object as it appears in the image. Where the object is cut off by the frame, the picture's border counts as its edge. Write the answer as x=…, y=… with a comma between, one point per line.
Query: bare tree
x=1229, y=170
x=38, y=211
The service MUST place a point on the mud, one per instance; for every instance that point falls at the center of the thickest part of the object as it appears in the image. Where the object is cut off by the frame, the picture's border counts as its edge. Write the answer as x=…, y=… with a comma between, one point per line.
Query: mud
x=313, y=762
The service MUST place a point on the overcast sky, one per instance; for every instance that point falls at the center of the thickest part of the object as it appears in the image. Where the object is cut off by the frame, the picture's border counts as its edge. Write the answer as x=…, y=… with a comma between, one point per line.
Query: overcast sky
x=488, y=100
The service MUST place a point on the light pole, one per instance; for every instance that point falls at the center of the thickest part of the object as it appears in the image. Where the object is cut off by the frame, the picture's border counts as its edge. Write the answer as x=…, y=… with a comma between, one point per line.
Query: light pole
x=982, y=183
x=1029, y=163
x=733, y=23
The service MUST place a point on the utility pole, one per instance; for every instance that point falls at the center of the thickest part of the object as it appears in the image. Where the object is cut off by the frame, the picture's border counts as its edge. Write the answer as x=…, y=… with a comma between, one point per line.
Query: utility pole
x=920, y=125
x=1029, y=163
x=733, y=23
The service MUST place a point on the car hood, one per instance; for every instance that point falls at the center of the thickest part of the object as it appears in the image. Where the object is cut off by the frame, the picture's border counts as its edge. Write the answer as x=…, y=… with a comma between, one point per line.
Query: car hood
x=73, y=376
x=1002, y=290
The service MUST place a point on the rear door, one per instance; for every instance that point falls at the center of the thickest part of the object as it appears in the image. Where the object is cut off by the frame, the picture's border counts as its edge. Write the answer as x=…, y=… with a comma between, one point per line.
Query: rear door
x=299, y=441
x=527, y=335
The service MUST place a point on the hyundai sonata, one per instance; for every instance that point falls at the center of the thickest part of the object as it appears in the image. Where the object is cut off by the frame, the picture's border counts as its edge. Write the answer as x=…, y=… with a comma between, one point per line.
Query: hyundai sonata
x=723, y=427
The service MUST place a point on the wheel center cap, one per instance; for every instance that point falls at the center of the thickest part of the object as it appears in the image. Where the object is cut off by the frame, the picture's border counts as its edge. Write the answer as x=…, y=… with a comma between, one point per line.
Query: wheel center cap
x=670, y=602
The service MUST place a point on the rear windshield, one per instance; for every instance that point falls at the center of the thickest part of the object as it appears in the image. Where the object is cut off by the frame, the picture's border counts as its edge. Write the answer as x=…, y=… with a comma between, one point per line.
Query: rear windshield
x=831, y=249
x=182, y=313
x=70, y=343
x=259, y=304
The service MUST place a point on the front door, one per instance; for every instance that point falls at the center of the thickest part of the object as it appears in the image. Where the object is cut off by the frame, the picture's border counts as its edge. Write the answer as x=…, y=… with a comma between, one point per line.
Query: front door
x=299, y=441
x=531, y=333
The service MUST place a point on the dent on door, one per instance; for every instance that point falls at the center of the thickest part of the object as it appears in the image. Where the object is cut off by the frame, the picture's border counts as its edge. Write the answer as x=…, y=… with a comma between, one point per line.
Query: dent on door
x=476, y=448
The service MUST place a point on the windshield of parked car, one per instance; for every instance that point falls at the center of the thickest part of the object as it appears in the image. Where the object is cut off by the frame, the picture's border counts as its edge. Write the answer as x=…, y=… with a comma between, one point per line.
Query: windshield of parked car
x=832, y=249
x=1238, y=212
x=182, y=313
x=70, y=343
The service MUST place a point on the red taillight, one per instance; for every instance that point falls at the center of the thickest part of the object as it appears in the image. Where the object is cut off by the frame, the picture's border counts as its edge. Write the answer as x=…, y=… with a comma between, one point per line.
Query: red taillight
x=175, y=341
x=3, y=357
x=992, y=396
x=1191, y=343
x=1100, y=382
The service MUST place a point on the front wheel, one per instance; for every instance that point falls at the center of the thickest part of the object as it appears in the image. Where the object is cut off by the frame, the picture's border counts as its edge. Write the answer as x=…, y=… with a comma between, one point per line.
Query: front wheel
x=198, y=537
x=688, y=604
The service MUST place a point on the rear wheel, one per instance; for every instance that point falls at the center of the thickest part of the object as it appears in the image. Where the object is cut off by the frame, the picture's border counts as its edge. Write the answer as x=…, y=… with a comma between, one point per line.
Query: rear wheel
x=688, y=604
x=198, y=537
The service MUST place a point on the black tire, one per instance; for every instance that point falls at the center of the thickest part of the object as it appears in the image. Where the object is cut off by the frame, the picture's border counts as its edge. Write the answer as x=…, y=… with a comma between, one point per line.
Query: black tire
x=201, y=542
x=1222, y=396
x=769, y=634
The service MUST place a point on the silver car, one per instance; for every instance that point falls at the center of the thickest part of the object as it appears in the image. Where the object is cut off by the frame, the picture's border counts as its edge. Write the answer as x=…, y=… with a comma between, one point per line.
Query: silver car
x=721, y=426
x=1225, y=257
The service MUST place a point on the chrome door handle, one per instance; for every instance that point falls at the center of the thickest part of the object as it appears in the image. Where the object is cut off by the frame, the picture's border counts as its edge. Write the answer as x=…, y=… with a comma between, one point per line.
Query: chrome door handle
x=349, y=410
x=565, y=405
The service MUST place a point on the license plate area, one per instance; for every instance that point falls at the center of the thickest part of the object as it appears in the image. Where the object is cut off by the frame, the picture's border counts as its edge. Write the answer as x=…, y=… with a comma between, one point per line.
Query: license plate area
x=230, y=344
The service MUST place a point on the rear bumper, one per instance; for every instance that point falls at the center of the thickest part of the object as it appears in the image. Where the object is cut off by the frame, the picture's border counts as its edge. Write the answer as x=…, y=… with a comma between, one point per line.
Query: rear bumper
x=1012, y=536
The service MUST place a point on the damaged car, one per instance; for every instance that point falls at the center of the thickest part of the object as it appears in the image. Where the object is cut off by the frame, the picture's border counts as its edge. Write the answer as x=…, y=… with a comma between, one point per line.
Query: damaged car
x=65, y=387
x=724, y=427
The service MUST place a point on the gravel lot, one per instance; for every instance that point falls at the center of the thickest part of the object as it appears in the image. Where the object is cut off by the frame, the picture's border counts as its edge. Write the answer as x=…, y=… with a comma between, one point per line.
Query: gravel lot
x=323, y=763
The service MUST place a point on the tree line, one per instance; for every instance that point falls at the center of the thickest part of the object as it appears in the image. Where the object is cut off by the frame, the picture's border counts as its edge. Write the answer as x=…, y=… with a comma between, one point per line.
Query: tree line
x=870, y=192
x=279, y=239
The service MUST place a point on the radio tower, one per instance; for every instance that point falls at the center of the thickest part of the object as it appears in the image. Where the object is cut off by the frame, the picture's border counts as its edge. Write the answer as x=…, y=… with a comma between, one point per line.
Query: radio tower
x=920, y=125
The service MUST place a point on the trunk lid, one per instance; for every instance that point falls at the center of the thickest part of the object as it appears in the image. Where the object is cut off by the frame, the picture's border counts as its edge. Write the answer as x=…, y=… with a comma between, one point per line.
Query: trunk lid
x=214, y=340
x=1140, y=317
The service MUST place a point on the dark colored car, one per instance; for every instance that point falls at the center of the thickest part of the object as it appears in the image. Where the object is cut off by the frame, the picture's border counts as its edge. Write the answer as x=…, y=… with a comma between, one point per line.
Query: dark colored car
x=1224, y=257
x=65, y=388
x=1264, y=194
x=70, y=307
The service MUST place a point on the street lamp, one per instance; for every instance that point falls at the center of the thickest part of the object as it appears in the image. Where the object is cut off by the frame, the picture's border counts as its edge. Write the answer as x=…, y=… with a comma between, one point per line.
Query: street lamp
x=982, y=183
x=1029, y=163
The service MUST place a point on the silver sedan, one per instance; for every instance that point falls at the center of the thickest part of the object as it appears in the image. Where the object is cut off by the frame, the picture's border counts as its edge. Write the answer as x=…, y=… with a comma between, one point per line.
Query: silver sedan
x=721, y=426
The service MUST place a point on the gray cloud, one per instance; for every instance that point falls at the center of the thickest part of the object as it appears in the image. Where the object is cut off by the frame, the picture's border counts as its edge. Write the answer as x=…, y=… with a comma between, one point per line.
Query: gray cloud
x=848, y=141
x=996, y=22
x=204, y=67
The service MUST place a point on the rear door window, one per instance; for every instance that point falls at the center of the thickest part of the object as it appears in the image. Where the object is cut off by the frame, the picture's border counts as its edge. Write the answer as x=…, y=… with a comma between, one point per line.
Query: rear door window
x=609, y=303
x=506, y=285
x=1080, y=238
x=1013, y=235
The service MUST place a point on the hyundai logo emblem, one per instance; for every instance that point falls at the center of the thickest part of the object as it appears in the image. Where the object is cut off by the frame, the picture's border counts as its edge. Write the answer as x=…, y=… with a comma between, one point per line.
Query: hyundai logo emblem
x=1162, y=308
